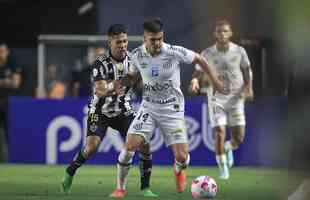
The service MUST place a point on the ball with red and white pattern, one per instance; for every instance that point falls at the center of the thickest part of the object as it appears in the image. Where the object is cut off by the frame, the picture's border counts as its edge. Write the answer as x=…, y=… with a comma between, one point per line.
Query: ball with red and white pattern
x=204, y=187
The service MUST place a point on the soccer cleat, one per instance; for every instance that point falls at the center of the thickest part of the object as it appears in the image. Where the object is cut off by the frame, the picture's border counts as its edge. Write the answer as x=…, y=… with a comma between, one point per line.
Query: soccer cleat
x=230, y=158
x=148, y=193
x=224, y=173
x=180, y=179
x=66, y=183
x=118, y=193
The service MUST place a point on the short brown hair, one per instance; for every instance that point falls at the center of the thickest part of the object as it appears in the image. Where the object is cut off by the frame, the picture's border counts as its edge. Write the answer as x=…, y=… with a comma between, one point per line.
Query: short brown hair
x=222, y=22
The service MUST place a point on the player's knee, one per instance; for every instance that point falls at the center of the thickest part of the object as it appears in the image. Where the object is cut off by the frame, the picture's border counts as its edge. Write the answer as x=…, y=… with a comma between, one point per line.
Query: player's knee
x=90, y=149
x=130, y=147
x=125, y=157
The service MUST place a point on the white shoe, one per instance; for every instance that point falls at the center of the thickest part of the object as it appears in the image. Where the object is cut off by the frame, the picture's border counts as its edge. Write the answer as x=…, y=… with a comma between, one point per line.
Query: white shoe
x=224, y=173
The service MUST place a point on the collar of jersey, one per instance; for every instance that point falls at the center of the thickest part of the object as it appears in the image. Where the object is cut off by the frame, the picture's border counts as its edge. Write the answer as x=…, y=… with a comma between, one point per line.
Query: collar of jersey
x=230, y=47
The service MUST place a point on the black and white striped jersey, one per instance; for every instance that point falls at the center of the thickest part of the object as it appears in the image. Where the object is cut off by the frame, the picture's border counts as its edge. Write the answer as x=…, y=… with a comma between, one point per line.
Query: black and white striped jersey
x=107, y=68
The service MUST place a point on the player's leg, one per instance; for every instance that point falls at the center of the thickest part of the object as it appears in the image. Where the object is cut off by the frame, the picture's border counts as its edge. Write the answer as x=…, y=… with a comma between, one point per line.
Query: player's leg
x=181, y=162
x=92, y=143
x=172, y=124
x=236, y=121
x=218, y=119
x=122, y=124
x=95, y=133
x=237, y=137
x=139, y=133
x=124, y=163
x=145, y=166
x=221, y=158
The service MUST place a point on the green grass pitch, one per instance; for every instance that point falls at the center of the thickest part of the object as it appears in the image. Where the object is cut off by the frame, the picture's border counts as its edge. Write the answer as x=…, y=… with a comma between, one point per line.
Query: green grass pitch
x=41, y=182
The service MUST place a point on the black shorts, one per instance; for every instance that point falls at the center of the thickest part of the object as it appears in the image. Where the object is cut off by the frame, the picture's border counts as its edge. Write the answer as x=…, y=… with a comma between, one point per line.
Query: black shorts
x=97, y=124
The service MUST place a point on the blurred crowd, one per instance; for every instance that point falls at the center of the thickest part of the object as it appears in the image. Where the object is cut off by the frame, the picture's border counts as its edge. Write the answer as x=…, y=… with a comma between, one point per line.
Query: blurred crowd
x=59, y=83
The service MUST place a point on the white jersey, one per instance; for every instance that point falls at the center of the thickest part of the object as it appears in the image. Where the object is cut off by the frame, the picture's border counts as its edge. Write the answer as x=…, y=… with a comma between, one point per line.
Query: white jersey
x=161, y=74
x=228, y=67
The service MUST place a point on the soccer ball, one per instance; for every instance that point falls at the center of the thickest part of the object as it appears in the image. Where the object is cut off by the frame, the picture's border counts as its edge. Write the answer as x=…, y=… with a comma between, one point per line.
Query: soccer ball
x=204, y=187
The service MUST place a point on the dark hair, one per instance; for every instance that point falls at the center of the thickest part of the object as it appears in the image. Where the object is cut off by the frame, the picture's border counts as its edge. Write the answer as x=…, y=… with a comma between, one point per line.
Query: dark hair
x=3, y=43
x=117, y=29
x=153, y=25
x=222, y=22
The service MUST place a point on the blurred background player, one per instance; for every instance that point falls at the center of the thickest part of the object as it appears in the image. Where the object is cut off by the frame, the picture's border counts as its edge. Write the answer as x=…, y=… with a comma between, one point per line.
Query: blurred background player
x=163, y=102
x=232, y=64
x=10, y=83
x=110, y=107
x=81, y=78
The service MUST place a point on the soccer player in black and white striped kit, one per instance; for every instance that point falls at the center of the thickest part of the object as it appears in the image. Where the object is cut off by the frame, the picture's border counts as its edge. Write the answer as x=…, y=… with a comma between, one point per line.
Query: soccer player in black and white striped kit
x=110, y=107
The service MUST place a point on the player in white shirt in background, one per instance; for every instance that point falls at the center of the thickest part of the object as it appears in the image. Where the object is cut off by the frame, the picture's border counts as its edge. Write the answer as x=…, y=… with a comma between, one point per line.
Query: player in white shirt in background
x=163, y=102
x=232, y=64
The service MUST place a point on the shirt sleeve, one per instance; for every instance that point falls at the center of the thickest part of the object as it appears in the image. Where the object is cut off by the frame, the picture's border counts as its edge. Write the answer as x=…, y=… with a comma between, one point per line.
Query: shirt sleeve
x=133, y=63
x=98, y=71
x=245, y=62
x=182, y=54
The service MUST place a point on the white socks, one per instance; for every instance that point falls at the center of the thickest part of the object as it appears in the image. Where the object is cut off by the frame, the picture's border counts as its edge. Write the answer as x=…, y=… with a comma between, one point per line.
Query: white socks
x=123, y=166
x=221, y=160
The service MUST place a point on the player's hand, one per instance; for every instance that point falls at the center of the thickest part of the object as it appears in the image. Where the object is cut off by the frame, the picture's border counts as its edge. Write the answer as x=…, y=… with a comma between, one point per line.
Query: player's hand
x=248, y=94
x=118, y=87
x=194, y=86
x=219, y=86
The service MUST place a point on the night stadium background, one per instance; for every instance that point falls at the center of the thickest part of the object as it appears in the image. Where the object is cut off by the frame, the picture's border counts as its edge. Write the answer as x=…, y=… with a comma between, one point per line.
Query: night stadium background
x=44, y=134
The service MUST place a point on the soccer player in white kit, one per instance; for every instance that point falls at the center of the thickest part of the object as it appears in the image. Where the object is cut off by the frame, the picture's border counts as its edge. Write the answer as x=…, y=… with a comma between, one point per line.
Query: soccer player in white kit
x=163, y=102
x=233, y=67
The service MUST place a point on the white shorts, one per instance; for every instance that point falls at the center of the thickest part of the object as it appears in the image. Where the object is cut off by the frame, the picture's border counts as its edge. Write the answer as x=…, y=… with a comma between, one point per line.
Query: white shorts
x=170, y=122
x=220, y=116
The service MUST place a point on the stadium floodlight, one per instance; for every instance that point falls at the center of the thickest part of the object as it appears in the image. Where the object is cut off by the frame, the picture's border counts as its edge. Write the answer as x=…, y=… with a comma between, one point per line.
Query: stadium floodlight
x=67, y=40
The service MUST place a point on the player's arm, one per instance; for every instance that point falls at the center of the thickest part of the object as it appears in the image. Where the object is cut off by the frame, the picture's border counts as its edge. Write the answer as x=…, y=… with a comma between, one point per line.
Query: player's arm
x=247, y=76
x=248, y=82
x=190, y=57
x=104, y=87
x=218, y=85
x=12, y=82
x=194, y=85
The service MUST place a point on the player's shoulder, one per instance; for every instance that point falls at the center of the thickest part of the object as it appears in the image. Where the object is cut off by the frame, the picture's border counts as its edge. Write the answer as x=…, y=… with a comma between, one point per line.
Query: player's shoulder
x=102, y=61
x=211, y=50
x=236, y=47
x=175, y=49
x=138, y=52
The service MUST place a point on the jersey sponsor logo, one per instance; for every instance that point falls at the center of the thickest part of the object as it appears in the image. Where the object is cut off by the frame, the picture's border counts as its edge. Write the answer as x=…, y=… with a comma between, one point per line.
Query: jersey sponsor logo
x=120, y=68
x=160, y=101
x=143, y=65
x=157, y=87
x=155, y=71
